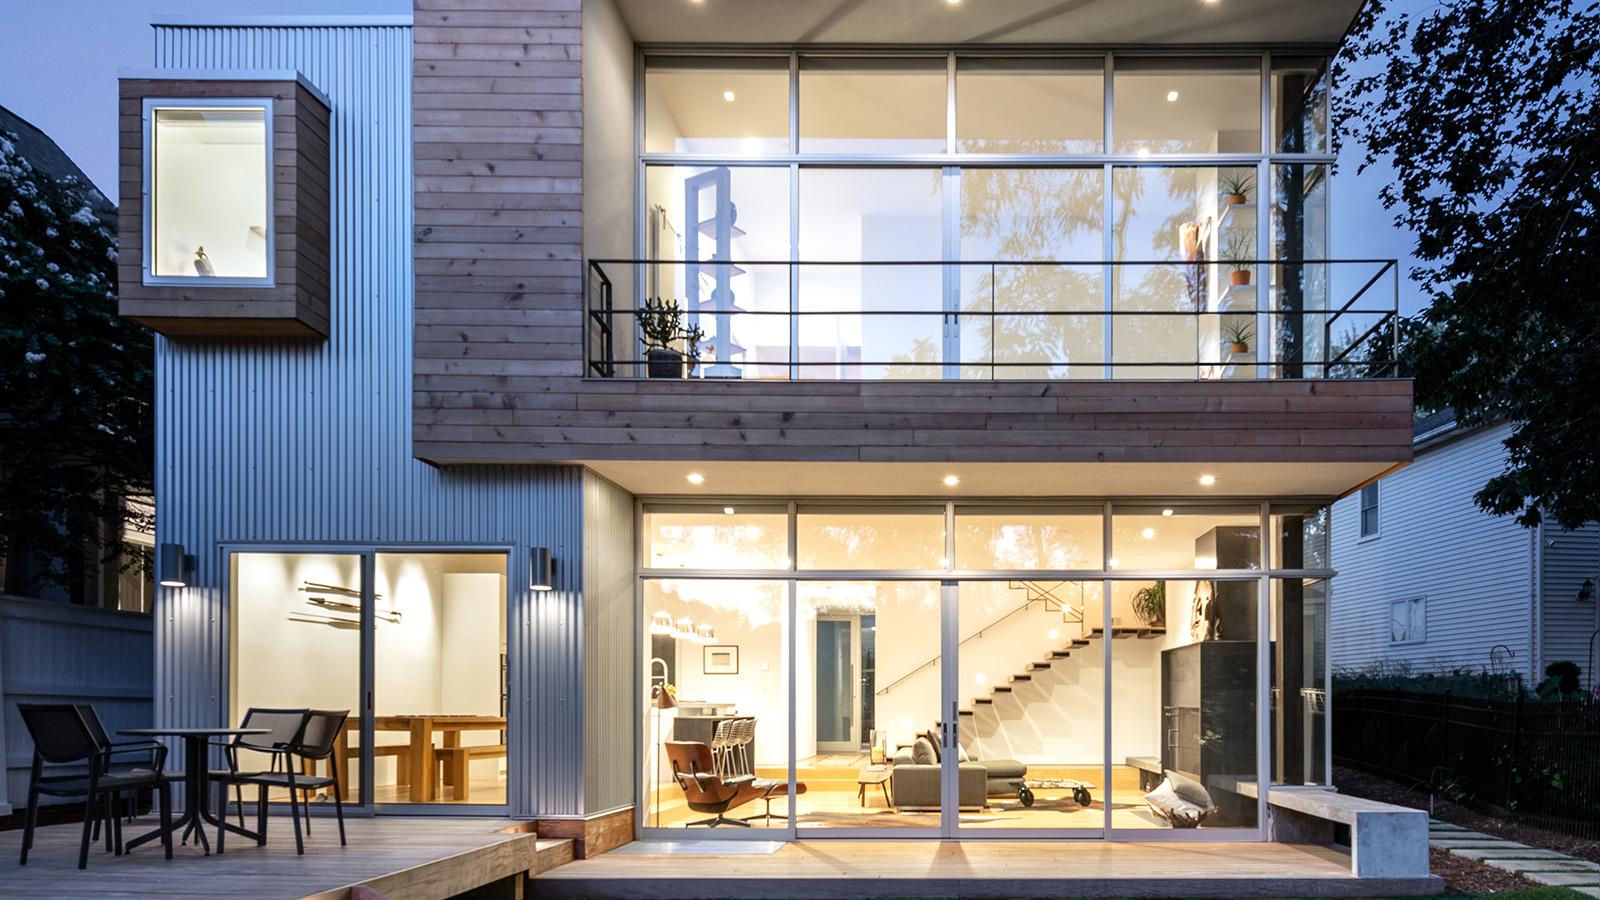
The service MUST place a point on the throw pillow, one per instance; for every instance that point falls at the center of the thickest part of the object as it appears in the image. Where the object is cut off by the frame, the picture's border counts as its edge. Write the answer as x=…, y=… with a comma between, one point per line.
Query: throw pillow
x=1179, y=813
x=922, y=753
x=1189, y=789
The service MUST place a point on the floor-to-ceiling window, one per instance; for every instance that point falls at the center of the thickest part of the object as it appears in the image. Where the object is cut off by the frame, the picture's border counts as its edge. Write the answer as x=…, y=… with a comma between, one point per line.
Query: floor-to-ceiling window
x=979, y=215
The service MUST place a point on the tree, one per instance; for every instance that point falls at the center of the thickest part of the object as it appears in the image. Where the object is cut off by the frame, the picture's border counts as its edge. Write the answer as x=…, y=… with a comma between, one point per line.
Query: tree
x=75, y=382
x=1489, y=111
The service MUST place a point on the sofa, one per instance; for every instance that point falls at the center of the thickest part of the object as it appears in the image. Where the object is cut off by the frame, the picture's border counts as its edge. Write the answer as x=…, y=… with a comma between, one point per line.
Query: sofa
x=914, y=780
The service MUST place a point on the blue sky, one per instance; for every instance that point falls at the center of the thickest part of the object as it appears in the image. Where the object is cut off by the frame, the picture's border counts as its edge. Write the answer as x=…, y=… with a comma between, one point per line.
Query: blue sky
x=59, y=62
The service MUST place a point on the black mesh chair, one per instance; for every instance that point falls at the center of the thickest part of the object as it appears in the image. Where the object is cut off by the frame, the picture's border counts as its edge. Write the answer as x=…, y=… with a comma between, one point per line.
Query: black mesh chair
x=146, y=756
x=314, y=741
x=62, y=737
x=285, y=728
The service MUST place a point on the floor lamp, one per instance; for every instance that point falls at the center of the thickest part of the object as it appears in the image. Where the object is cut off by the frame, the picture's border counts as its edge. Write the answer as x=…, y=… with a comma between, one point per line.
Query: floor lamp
x=663, y=700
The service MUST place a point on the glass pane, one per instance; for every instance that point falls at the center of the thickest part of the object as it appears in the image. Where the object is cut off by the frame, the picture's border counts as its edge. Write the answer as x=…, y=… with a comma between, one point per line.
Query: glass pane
x=1300, y=681
x=700, y=537
x=1300, y=289
x=208, y=193
x=1028, y=538
x=849, y=537
x=1031, y=699
x=297, y=645
x=1300, y=537
x=714, y=106
x=877, y=106
x=1187, y=105
x=439, y=699
x=871, y=321
x=1029, y=105
x=1032, y=216
x=1186, y=537
x=723, y=737
x=867, y=711
x=1183, y=710
x=718, y=221
x=1193, y=317
x=1299, y=104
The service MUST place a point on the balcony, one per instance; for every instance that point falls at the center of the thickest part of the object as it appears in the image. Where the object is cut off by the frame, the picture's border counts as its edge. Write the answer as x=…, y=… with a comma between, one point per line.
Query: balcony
x=992, y=320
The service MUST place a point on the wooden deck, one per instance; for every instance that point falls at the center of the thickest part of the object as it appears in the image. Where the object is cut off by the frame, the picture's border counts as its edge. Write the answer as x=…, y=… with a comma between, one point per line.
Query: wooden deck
x=403, y=858
x=851, y=868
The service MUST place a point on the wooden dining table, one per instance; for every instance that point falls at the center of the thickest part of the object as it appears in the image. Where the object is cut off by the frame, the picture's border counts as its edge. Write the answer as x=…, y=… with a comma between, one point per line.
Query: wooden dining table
x=420, y=760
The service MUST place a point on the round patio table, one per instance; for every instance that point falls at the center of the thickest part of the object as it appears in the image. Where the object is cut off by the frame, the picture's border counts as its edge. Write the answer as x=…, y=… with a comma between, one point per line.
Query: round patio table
x=196, y=780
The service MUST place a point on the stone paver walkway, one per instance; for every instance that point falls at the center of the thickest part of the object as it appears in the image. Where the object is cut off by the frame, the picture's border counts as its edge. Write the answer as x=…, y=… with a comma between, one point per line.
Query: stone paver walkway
x=1542, y=866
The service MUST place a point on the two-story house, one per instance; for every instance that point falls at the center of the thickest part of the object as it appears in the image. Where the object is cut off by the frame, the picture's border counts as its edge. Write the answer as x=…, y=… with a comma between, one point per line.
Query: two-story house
x=886, y=418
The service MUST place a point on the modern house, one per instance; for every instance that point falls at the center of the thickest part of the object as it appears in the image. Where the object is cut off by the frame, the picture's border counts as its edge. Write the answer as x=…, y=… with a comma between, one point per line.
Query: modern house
x=902, y=418
x=1430, y=582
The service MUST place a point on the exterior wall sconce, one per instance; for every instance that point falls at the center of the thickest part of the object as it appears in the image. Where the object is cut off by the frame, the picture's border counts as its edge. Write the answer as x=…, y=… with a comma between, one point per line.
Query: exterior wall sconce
x=540, y=568
x=174, y=567
x=1586, y=592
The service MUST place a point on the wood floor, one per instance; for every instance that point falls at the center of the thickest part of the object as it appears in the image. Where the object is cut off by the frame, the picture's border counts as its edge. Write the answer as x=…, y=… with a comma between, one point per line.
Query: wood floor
x=890, y=868
x=401, y=857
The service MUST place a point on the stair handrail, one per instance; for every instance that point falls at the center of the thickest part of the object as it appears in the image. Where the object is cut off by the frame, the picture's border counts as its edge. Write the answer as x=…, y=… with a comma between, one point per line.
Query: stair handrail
x=961, y=643
x=1048, y=596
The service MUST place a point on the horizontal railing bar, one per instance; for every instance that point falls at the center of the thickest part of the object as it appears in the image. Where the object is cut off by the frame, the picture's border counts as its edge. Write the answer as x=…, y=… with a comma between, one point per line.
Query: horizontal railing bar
x=1042, y=364
x=998, y=314
x=1370, y=282
x=709, y=263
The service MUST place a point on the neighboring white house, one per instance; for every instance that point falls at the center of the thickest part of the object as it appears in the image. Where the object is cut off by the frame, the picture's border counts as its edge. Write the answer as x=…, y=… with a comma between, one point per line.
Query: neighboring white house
x=1428, y=579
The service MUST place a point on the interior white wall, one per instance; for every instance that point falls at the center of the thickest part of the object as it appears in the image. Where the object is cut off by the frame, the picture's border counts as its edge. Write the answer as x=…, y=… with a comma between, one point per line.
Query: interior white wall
x=210, y=190
x=282, y=663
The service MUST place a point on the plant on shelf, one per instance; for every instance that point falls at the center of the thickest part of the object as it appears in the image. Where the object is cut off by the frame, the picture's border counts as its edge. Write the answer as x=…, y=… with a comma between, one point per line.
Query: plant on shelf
x=1239, y=253
x=661, y=325
x=1237, y=186
x=1238, y=332
x=1150, y=604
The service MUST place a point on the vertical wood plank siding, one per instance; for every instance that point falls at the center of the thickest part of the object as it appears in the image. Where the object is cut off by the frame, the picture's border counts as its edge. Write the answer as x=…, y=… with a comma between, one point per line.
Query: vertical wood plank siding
x=273, y=441
x=610, y=663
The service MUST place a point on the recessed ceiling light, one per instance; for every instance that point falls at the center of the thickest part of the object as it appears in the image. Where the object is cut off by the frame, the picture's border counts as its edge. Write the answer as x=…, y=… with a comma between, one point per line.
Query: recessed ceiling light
x=1148, y=533
x=1144, y=151
x=727, y=510
x=1166, y=512
x=1112, y=562
x=696, y=478
x=951, y=481
x=728, y=96
x=1208, y=480
x=1172, y=96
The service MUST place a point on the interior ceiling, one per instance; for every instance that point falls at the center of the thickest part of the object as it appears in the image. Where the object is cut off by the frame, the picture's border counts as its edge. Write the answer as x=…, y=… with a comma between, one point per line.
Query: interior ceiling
x=1163, y=481
x=1080, y=22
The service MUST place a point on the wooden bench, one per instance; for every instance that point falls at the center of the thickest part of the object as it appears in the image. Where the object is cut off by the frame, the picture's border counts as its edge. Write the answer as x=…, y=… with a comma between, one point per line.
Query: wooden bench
x=1385, y=841
x=457, y=765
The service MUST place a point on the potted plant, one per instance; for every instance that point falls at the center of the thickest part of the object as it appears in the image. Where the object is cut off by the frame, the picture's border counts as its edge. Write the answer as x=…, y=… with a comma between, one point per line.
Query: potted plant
x=1238, y=332
x=1238, y=253
x=1237, y=187
x=661, y=325
x=1150, y=604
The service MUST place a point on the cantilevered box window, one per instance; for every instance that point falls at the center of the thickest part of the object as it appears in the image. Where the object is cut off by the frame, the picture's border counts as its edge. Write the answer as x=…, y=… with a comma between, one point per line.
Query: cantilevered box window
x=210, y=193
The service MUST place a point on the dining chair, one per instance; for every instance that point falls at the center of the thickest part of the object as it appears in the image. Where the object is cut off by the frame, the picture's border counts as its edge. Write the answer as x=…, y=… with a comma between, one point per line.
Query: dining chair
x=283, y=727
x=313, y=739
x=102, y=737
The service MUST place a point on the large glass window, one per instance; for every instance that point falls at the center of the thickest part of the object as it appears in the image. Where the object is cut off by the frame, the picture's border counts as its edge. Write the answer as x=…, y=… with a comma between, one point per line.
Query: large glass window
x=1031, y=105
x=711, y=224
x=1022, y=312
x=1021, y=538
x=872, y=106
x=832, y=538
x=1299, y=618
x=1158, y=537
x=727, y=537
x=210, y=191
x=1300, y=104
x=884, y=319
x=1300, y=289
x=737, y=106
x=1187, y=105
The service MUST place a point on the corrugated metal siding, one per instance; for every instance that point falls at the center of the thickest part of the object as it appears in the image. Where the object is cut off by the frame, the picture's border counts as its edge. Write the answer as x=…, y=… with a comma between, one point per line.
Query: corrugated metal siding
x=1569, y=558
x=276, y=441
x=1474, y=568
x=610, y=663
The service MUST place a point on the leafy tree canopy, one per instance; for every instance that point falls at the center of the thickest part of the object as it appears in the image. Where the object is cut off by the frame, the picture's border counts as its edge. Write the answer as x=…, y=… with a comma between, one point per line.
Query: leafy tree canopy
x=75, y=379
x=1489, y=111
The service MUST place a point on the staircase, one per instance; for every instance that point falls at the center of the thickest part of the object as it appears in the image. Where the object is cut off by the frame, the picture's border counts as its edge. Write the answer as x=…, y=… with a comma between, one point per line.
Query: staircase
x=1058, y=657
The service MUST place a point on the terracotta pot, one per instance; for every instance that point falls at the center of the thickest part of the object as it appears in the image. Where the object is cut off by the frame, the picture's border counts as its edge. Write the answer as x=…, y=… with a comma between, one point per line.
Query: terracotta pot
x=1237, y=199
x=1239, y=276
x=1238, y=348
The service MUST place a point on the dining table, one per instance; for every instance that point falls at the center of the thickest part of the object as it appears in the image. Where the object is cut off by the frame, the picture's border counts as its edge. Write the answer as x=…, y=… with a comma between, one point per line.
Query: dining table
x=419, y=760
x=196, y=782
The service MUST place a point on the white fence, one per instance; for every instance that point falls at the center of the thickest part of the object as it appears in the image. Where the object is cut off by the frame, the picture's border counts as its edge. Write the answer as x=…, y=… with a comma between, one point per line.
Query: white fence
x=58, y=652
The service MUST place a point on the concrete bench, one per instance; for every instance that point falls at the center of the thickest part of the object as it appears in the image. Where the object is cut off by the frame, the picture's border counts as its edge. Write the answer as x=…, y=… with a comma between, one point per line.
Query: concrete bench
x=1385, y=841
x=1149, y=768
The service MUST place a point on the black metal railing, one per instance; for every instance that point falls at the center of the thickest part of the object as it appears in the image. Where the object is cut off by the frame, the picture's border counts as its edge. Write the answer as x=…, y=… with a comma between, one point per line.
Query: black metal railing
x=991, y=320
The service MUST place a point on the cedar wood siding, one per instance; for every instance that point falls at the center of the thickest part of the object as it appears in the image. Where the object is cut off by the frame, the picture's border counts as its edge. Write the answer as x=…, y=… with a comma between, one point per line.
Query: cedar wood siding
x=297, y=304
x=499, y=312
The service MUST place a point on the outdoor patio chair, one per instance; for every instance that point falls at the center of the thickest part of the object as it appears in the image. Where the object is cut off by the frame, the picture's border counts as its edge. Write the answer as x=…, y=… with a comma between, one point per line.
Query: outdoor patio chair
x=61, y=737
x=284, y=727
x=156, y=751
x=313, y=739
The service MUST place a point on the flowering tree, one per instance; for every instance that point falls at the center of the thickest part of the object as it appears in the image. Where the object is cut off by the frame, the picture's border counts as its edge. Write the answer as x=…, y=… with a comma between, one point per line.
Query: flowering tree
x=75, y=383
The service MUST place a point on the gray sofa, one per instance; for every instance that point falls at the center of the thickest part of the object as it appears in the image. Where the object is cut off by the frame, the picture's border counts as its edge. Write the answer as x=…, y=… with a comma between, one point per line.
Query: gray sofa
x=914, y=780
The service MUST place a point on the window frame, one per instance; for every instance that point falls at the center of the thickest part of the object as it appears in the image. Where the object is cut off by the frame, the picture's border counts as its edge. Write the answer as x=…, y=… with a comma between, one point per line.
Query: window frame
x=1362, y=533
x=1414, y=634
x=147, y=188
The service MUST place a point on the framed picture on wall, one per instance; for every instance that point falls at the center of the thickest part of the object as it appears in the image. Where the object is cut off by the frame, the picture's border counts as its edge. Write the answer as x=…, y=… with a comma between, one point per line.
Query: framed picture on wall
x=722, y=659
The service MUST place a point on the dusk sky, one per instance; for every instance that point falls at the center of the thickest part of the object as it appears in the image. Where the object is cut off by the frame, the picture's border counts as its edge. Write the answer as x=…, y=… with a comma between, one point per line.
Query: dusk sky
x=59, y=62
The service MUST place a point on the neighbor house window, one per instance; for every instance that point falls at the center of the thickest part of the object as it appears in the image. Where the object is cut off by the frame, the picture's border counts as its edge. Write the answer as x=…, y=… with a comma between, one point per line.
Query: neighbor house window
x=1369, y=511
x=209, y=193
x=1408, y=621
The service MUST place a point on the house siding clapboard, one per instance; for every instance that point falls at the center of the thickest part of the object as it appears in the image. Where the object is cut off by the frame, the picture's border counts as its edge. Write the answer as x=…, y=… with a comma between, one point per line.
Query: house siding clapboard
x=1569, y=558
